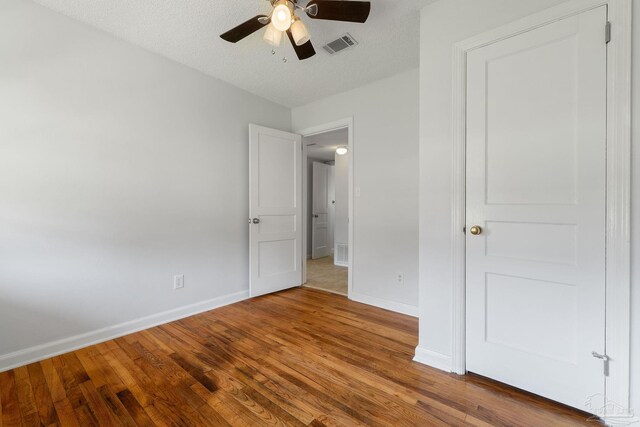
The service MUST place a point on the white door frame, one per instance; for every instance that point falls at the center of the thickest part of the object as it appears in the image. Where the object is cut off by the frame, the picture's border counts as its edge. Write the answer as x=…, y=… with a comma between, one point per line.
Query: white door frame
x=327, y=127
x=618, y=284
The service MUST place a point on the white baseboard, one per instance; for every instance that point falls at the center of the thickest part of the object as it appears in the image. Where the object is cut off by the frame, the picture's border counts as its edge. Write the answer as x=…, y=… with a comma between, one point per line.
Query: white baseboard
x=65, y=345
x=621, y=420
x=433, y=359
x=410, y=310
x=341, y=264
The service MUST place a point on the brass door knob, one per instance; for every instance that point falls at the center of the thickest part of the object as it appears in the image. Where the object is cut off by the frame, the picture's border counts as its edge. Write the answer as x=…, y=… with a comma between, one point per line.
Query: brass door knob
x=476, y=230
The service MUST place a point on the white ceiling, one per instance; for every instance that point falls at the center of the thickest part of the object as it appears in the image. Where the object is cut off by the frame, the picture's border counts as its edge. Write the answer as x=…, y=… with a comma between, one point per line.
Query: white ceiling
x=187, y=31
x=323, y=145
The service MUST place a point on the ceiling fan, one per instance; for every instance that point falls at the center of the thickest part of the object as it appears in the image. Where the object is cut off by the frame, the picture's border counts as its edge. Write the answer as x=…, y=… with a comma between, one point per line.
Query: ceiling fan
x=283, y=19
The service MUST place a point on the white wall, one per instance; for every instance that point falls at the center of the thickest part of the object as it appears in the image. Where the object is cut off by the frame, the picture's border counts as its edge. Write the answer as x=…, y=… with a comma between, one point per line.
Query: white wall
x=635, y=215
x=118, y=169
x=342, y=199
x=385, y=153
x=442, y=24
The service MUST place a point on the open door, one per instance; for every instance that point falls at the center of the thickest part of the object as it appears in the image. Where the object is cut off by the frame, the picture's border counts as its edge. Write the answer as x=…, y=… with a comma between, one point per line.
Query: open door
x=320, y=238
x=275, y=210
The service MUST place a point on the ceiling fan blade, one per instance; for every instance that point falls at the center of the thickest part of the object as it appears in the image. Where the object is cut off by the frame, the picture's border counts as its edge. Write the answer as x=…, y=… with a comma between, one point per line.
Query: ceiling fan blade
x=303, y=51
x=337, y=10
x=245, y=29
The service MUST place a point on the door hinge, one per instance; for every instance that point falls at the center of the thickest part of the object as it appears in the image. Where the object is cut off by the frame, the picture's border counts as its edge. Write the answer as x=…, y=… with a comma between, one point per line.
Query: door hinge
x=607, y=32
x=605, y=361
x=464, y=230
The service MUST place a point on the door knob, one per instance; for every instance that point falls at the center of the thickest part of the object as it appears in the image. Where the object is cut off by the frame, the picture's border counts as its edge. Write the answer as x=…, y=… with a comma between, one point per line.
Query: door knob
x=256, y=220
x=476, y=230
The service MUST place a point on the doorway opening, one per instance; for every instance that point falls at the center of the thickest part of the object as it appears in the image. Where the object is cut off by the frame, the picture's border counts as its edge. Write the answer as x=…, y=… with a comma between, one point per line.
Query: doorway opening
x=326, y=169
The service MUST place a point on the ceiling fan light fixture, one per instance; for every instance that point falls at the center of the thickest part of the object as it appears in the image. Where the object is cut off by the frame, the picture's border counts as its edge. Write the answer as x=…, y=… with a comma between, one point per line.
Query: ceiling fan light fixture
x=282, y=15
x=341, y=151
x=299, y=32
x=272, y=36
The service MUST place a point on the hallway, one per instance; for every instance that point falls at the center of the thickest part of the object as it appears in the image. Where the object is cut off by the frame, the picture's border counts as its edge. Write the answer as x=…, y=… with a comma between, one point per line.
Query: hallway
x=323, y=274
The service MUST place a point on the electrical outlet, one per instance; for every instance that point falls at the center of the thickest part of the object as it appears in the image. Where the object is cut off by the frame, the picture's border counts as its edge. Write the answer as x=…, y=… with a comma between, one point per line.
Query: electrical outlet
x=178, y=281
x=400, y=278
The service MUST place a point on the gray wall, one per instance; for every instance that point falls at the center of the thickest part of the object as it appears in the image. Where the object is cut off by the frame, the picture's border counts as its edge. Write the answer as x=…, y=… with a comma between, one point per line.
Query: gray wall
x=118, y=170
x=385, y=154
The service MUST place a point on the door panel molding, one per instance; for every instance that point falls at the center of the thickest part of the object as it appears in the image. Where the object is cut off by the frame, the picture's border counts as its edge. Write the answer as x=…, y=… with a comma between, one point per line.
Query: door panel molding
x=618, y=285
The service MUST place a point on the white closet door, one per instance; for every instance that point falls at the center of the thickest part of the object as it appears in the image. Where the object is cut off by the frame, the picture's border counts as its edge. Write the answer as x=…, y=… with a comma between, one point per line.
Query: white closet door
x=536, y=134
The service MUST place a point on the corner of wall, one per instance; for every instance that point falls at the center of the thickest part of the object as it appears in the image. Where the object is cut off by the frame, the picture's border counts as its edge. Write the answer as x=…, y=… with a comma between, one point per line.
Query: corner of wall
x=433, y=359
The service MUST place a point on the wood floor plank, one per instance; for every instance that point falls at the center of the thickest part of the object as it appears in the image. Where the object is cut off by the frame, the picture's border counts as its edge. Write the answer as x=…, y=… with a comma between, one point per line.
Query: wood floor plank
x=70, y=373
x=97, y=405
x=1, y=422
x=66, y=414
x=54, y=383
x=135, y=410
x=115, y=406
x=26, y=399
x=300, y=357
x=42, y=396
x=9, y=398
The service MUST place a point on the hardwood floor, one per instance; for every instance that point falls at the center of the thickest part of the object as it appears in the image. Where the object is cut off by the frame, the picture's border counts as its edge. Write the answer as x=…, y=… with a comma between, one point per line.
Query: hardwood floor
x=297, y=358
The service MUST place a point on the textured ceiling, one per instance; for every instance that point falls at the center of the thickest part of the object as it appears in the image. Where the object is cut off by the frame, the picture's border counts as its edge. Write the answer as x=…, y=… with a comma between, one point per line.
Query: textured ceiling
x=187, y=31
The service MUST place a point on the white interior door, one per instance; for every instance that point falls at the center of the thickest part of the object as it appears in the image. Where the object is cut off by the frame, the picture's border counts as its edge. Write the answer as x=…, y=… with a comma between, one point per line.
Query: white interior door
x=321, y=244
x=332, y=208
x=536, y=135
x=275, y=210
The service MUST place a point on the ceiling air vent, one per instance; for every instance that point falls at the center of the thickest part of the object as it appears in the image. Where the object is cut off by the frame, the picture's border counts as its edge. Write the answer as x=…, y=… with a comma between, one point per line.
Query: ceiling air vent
x=343, y=42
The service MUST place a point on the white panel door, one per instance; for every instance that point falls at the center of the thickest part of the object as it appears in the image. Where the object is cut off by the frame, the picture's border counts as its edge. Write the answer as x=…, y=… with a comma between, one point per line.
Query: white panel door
x=332, y=208
x=536, y=134
x=275, y=210
x=320, y=239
